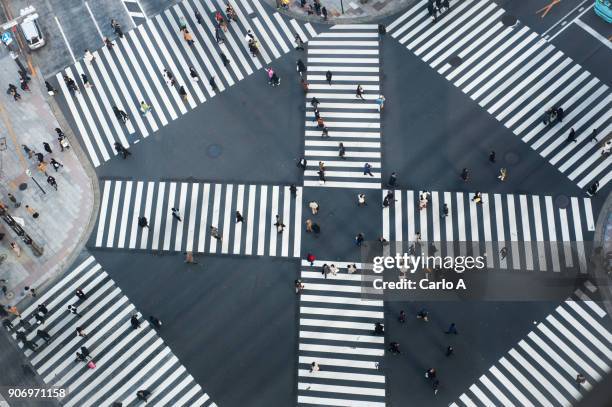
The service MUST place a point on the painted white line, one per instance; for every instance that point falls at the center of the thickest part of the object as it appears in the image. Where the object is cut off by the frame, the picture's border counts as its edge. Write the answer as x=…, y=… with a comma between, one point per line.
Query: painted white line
x=297, y=239
x=586, y=10
x=169, y=218
x=273, y=213
x=261, y=237
x=135, y=215
x=193, y=209
x=103, y=211
x=238, y=226
x=287, y=219
x=227, y=222
x=94, y=20
x=594, y=33
x=113, y=217
x=250, y=220
x=144, y=236
x=178, y=243
x=65, y=39
x=124, y=215
x=158, y=215
x=204, y=218
x=215, y=217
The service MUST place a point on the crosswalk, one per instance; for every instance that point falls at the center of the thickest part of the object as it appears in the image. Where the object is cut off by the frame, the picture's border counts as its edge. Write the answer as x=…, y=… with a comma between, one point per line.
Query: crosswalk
x=536, y=232
x=127, y=359
x=516, y=76
x=351, y=53
x=336, y=331
x=200, y=207
x=542, y=368
x=133, y=70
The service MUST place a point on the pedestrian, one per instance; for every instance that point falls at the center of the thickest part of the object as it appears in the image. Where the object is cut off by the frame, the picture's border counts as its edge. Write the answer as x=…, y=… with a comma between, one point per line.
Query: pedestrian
x=560, y=114
x=169, y=78
x=392, y=180
x=193, y=74
x=50, y=89
x=219, y=36
x=423, y=314
x=47, y=147
x=14, y=200
x=73, y=309
x=280, y=226
x=176, y=215
x=143, y=222
x=299, y=44
x=304, y=84
x=120, y=114
x=63, y=141
x=394, y=347
x=213, y=84
x=477, y=197
x=143, y=395
x=89, y=57
x=308, y=225
x=580, y=379
x=607, y=148
x=293, y=189
x=32, y=211
x=301, y=68
x=449, y=350
x=446, y=4
x=314, y=102
x=503, y=252
x=359, y=92
x=15, y=248
x=198, y=17
x=40, y=319
x=465, y=175
x=189, y=258
x=430, y=373
x=12, y=90
x=80, y=294
x=380, y=102
x=157, y=324
x=134, y=321
x=81, y=332
x=435, y=385
x=40, y=157
x=324, y=13
x=239, y=217
x=42, y=308
x=56, y=165
x=328, y=77
x=325, y=132
x=86, y=82
x=444, y=211
x=302, y=163
x=11, y=309
x=224, y=59
x=311, y=258
x=31, y=346
x=320, y=123
x=144, y=108
x=121, y=150
x=592, y=189
x=351, y=268
x=361, y=199
x=109, y=44
x=188, y=37
x=299, y=286
x=314, y=367
x=503, y=174
x=80, y=357
x=214, y=232
x=43, y=334
x=314, y=207
x=23, y=84
x=431, y=9
x=85, y=352
x=402, y=317
x=452, y=329
x=359, y=239
x=51, y=181
x=492, y=157
x=367, y=169
x=321, y=174
x=183, y=93
x=341, y=151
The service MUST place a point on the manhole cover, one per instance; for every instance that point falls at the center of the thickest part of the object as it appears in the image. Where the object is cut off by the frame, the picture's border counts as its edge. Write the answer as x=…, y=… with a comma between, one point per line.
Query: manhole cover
x=511, y=158
x=509, y=20
x=562, y=201
x=214, y=150
x=455, y=61
x=23, y=186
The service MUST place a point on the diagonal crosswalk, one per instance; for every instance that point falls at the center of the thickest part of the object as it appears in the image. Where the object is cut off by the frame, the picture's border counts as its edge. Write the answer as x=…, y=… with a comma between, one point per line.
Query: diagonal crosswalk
x=200, y=207
x=536, y=232
x=516, y=76
x=126, y=359
x=133, y=70
x=351, y=53
x=336, y=331
x=542, y=369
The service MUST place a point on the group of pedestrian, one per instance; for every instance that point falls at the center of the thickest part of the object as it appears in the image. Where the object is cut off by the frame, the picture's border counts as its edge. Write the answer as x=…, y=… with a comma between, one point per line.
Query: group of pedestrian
x=436, y=6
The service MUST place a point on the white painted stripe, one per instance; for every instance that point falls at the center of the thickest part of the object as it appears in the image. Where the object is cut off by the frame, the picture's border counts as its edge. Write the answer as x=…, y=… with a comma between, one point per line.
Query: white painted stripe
x=585, y=331
x=578, y=309
x=449, y=223
x=481, y=396
x=227, y=222
x=336, y=324
x=144, y=235
x=178, y=243
x=266, y=38
x=590, y=222
x=341, y=389
x=526, y=232
x=250, y=220
x=336, y=402
x=417, y=7
x=524, y=381
x=516, y=263
x=204, y=219
x=297, y=238
x=332, y=43
x=285, y=28
x=169, y=218
x=334, y=299
x=193, y=209
x=340, y=174
x=127, y=198
x=461, y=222
x=298, y=30
x=488, y=236
x=348, y=164
x=214, y=221
x=270, y=25
x=329, y=336
x=338, y=184
x=496, y=392
x=273, y=214
x=552, y=233
x=287, y=219
x=501, y=234
x=578, y=234
x=474, y=236
x=137, y=203
x=341, y=312
x=103, y=210
x=539, y=230
x=350, y=350
x=238, y=226
x=359, y=364
x=398, y=236
x=591, y=304
x=261, y=236
x=334, y=375
x=467, y=401
x=567, y=249
x=113, y=216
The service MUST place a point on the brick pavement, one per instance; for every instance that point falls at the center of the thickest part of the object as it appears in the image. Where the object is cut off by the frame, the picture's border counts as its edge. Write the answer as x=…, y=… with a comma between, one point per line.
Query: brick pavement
x=355, y=11
x=66, y=215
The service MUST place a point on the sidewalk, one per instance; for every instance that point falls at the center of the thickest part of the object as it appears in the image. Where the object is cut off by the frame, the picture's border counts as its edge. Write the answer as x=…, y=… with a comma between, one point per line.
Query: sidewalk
x=355, y=11
x=66, y=216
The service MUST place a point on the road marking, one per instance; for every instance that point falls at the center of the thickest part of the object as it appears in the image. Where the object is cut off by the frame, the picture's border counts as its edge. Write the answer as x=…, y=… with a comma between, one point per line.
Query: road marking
x=65, y=39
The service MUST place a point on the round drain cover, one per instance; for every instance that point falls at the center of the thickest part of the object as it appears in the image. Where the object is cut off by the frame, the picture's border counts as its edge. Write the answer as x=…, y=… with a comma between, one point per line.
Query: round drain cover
x=214, y=150
x=509, y=20
x=23, y=186
x=455, y=61
x=562, y=201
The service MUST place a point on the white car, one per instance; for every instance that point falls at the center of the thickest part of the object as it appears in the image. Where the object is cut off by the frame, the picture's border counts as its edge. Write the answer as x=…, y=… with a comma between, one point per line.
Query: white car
x=31, y=31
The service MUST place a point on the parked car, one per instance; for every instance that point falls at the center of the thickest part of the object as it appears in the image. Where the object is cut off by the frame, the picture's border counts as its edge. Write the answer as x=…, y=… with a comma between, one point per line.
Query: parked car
x=30, y=29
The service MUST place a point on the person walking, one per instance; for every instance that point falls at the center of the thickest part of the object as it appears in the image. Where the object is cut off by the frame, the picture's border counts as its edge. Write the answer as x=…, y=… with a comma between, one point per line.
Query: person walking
x=423, y=314
x=359, y=92
x=308, y=225
x=40, y=319
x=169, y=77
x=314, y=102
x=325, y=132
x=328, y=77
x=367, y=169
x=214, y=232
x=299, y=286
x=47, y=147
x=143, y=395
x=157, y=324
x=361, y=199
x=314, y=367
x=302, y=163
x=503, y=252
x=492, y=157
x=239, y=217
x=444, y=211
x=144, y=108
x=11, y=309
x=452, y=329
x=51, y=181
x=359, y=239
x=392, y=180
x=109, y=44
x=183, y=93
x=143, y=222
x=314, y=207
x=341, y=151
x=311, y=258
x=503, y=174
x=73, y=309
x=122, y=150
x=81, y=332
x=224, y=59
x=42, y=308
x=189, y=258
x=293, y=190
x=56, y=164
x=380, y=102
x=592, y=189
x=213, y=84
x=32, y=211
x=15, y=248
x=134, y=321
x=80, y=294
x=430, y=373
x=120, y=114
x=477, y=197
x=89, y=57
x=449, y=351
x=176, y=215
x=14, y=200
x=43, y=334
x=194, y=75
x=51, y=91
x=280, y=226
x=301, y=67
x=320, y=122
x=188, y=37
x=299, y=44
x=465, y=175
x=86, y=82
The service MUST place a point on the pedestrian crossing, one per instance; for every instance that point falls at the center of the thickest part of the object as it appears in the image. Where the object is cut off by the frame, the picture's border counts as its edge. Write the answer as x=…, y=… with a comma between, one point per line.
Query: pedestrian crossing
x=133, y=70
x=542, y=368
x=351, y=53
x=200, y=207
x=126, y=359
x=536, y=232
x=336, y=331
x=516, y=76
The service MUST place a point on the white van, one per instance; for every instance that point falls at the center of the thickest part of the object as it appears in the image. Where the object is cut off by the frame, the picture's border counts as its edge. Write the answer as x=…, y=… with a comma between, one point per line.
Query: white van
x=31, y=31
